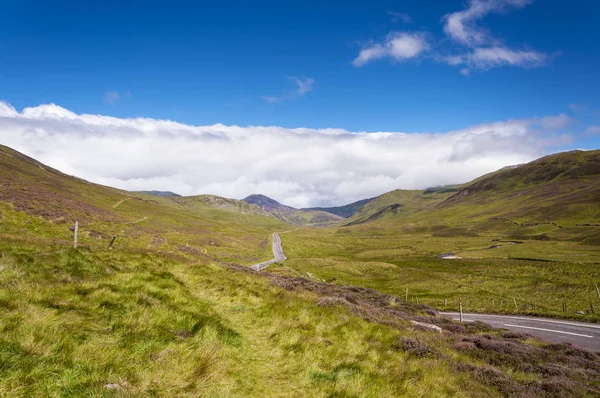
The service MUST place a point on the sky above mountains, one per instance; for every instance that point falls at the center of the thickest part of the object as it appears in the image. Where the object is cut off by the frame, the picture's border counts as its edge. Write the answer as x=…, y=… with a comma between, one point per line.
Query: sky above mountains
x=360, y=99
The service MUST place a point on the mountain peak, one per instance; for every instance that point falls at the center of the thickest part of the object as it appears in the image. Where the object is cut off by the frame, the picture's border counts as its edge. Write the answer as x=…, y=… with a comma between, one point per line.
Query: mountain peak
x=266, y=203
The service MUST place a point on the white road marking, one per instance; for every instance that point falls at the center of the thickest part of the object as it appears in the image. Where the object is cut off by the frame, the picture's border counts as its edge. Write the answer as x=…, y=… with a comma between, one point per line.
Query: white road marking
x=585, y=325
x=549, y=330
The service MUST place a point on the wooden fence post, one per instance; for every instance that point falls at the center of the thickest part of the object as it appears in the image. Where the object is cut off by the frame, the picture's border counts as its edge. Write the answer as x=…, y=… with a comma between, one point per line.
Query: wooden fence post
x=598, y=292
x=75, y=232
x=460, y=307
x=515, y=301
x=111, y=242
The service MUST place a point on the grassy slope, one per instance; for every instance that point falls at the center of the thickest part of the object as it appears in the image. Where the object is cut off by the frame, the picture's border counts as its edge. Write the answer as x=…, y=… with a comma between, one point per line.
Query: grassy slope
x=140, y=221
x=555, y=198
x=563, y=188
x=119, y=323
x=398, y=204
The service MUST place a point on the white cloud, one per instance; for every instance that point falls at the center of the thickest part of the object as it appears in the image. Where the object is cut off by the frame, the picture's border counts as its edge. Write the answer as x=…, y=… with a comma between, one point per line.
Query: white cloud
x=399, y=46
x=472, y=45
x=299, y=167
x=399, y=16
x=111, y=96
x=304, y=85
x=462, y=26
x=484, y=51
x=491, y=57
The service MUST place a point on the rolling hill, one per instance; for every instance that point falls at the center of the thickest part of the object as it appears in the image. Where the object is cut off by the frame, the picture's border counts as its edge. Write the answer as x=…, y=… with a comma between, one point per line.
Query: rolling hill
x=555, y=197
x=52, y=201
x=563, y=187
x=399, y=204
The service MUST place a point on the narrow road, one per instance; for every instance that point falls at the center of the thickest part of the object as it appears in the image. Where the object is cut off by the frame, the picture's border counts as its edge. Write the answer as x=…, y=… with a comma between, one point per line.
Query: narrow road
x=580, y=334
x=277, y=254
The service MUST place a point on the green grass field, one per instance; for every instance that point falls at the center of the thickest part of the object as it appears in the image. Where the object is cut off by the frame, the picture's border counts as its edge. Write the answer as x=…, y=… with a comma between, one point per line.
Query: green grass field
x=539, y=275
x=115, y=323
x=86, y=322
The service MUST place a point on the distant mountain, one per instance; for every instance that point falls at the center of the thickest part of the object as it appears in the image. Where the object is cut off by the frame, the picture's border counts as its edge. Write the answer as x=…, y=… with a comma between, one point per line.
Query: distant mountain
x=343, y=211
x=160, y=193
x=266, y=203
x=290, y=214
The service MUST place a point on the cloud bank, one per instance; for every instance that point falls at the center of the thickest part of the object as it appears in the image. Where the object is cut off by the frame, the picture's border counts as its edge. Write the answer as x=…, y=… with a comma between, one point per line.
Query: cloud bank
x=300, y=167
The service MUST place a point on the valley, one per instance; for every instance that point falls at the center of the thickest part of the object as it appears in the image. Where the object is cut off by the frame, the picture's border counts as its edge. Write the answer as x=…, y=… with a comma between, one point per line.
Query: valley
x=341, y=305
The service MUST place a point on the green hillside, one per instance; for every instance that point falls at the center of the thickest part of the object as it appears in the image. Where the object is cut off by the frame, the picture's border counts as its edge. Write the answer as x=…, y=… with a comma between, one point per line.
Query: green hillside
x=564, y=187
x=399, y=204
x=555, y=197
x=54, y=201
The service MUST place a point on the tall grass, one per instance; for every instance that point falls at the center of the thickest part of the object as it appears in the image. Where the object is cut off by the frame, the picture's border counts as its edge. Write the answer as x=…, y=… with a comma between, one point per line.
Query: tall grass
x=85, y=323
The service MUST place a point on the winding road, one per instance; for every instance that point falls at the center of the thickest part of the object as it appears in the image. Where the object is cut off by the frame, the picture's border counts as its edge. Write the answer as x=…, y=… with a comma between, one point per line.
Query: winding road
x=579, y=334
x=277, y=254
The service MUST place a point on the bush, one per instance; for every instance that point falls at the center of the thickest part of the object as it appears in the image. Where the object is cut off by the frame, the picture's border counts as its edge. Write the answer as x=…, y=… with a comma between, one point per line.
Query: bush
x=415, y=347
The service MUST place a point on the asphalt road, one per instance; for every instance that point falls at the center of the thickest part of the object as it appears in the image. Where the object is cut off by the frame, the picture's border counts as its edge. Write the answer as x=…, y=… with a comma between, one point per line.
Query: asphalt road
x=277, y=254
x=579, y=334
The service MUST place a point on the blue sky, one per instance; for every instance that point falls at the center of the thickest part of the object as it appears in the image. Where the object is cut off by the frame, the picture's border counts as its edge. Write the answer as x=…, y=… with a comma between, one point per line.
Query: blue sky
x=202, y=63
x=401, y=66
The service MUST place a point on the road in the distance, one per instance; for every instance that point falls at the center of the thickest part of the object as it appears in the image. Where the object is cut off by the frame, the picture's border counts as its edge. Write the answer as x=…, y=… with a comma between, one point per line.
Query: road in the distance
x=277, y=254
x=580, y=334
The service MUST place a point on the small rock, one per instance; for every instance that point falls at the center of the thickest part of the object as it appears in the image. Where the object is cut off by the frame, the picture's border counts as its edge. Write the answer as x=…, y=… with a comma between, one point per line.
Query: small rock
x=112, y=386
x=427, y=325
x=580, y=313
